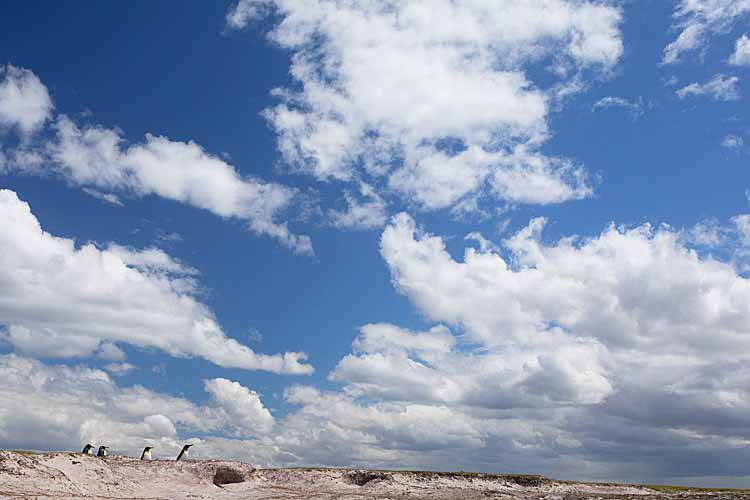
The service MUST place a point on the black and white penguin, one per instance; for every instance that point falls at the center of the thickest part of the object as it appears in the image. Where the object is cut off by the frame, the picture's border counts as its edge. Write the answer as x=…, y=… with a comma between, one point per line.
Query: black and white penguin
x=102, y=451
x=184, y=452
x=88, y=450
x=146, y=455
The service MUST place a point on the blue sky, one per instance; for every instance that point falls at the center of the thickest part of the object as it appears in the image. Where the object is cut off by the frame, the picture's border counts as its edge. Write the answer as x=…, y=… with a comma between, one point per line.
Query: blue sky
x=223, y=183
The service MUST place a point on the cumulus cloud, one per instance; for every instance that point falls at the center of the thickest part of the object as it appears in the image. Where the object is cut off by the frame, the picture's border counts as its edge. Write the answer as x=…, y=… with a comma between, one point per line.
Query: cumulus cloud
x=698, y=21
x=179, y=171
x=90, y=407
x=435, y=108
x=240, y=407
x=562, y=345
x=610, y=327
x=680, y=295
x=64, y=300
x=25, y=103
x=104, y=165
x=719, y=88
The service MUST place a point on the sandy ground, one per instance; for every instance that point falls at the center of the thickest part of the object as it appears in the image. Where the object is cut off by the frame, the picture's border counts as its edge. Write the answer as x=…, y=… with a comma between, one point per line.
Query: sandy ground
x=75, y=476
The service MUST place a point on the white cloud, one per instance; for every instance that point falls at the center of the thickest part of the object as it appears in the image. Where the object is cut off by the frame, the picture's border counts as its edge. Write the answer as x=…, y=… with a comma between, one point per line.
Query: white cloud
x=110, y=352
x=733, y=142
x=53, y=407
x=741, y=55
x=627, y=329
x=526, y=177
x=619, y=301
x=698, y=21
x=150, y=260
x=241, y=407
x=168, y=237
x=179, y=171
x=24, y=100
x=367, y=214
x=60, y=300
x=110, y=198
x=708, y=234
x=679, y=295
x=243, y=12
x=719, y=88
x=636, y=107
x=119, y=369
x=485, y=245
x=100, y=161
x=436, y=107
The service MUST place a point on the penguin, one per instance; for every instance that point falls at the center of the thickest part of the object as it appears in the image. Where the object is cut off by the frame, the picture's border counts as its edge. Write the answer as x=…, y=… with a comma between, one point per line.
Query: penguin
x=146, y=455
x=184, y=452
x=88, y=450
x=102, y=451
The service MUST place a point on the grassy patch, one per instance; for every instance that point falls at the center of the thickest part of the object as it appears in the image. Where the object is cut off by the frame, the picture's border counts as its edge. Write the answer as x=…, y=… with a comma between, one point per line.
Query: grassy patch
x=22, y=452
x=664, y=488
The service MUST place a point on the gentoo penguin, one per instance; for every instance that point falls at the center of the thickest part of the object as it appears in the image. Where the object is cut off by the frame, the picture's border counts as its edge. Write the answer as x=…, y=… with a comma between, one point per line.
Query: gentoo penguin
x=88, y=450
x=102, y=451
x=146, y=455
x=184, y=452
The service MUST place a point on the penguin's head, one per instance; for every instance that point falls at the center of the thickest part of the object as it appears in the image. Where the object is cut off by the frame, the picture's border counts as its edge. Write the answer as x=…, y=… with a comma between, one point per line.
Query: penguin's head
x=187, y=446
x=148, y=448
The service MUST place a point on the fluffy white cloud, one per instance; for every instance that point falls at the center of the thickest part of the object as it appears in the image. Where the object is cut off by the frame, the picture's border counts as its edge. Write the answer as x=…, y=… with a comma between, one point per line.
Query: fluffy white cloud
x=741, y=55
x=100, y=161
x=436, y=107
x=629, y=329
x=240, y=406
x=585, y=322
x=179, y=171
x=698, y=21
x=63, y=300
x=24, y=100
x=719, y=88
x=49, y=407
x=526, y=177
x=627, y=289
